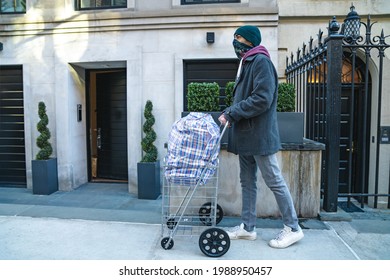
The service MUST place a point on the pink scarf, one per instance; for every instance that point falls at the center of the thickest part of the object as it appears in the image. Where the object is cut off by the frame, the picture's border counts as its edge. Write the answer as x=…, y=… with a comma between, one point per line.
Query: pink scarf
x=251, y=52
x=254, y=51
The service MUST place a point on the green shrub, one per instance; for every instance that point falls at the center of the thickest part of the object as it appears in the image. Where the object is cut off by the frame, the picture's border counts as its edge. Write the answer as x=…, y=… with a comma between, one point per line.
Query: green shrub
x=286, y=98
x=229, y=93
x=43, y=139
x=203, y=97
x=150, y=150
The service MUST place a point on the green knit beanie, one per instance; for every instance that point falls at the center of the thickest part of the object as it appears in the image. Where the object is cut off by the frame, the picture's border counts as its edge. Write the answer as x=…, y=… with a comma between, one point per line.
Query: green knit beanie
x=250, y=33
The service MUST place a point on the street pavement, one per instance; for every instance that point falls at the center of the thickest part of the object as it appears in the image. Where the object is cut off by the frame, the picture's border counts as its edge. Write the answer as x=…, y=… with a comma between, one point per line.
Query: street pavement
x=105, y=222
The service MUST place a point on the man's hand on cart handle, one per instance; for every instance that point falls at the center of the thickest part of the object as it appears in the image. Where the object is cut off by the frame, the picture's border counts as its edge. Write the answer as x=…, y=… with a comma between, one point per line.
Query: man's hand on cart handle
x=222, y=119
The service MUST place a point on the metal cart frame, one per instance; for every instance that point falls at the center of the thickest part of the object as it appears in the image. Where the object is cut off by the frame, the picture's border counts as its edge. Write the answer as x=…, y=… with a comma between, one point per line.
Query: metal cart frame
x=188, y=207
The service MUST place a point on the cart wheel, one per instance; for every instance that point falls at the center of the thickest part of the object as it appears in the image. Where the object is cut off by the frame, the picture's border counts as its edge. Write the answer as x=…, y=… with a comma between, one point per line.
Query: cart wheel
x=214, y=242
x=164, y=242
x=205, y=211
x=171, y=223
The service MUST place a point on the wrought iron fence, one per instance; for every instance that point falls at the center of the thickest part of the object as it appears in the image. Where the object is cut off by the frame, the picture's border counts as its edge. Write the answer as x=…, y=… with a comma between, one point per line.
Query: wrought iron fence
x=334, y=90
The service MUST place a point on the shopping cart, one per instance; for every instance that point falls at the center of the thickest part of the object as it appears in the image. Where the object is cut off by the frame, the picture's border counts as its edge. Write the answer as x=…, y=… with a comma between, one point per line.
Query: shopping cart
x=189, y=208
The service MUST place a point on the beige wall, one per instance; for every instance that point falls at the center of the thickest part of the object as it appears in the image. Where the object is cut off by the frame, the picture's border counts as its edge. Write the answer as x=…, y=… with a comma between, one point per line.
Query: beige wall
x=152, y=38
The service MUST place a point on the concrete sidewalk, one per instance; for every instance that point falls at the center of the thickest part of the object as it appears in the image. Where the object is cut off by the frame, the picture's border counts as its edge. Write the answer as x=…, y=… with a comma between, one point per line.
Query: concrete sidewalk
x=105, y=222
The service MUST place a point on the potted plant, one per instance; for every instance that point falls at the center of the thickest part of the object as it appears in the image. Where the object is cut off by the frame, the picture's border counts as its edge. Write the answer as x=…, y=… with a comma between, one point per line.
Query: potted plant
x=148, y=170
x=291, y=123
x=229, y=93
x=44, y=168
x=228, y=102
x=203, y=97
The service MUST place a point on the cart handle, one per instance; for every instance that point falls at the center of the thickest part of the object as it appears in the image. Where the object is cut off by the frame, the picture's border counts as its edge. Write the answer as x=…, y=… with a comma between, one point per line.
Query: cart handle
x=223, y=132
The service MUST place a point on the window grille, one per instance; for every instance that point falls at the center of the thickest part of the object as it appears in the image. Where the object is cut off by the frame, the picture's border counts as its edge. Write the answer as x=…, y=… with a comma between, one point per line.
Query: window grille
x=100, y=4
x=12, y=6
x=190, y=2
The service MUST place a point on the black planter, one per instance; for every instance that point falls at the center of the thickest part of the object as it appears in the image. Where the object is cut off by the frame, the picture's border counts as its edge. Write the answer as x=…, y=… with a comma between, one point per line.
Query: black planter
x=291, y=127
x=44, y=176
x=149, y=182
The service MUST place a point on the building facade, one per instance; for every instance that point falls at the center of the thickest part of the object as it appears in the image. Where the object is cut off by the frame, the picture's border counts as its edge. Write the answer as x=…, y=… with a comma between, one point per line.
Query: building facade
x=71, y=53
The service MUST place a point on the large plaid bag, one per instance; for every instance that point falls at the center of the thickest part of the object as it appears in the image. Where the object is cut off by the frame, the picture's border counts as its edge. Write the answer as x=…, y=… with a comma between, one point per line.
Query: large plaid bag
x=192, y=147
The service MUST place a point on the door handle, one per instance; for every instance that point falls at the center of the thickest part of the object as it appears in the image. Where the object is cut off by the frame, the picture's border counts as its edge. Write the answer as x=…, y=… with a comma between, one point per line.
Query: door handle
x=352, y=149
x=99, y=138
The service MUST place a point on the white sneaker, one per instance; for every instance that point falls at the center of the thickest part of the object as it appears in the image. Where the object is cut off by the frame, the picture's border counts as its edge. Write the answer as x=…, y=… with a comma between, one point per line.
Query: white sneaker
x=286, y=237
x=239, y=232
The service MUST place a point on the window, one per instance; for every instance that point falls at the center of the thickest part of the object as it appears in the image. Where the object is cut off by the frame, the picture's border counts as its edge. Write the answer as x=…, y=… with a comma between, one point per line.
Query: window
x=13, y=6
x=346, y=72
x=189, y=2
x=320, y=71
x=100, y=4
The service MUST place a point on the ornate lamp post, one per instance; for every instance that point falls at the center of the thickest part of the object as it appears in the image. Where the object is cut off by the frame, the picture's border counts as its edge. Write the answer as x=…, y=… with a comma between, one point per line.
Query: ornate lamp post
x=352, y=24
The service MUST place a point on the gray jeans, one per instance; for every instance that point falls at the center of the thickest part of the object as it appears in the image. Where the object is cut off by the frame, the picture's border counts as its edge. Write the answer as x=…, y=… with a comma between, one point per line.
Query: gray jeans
x=273, y=178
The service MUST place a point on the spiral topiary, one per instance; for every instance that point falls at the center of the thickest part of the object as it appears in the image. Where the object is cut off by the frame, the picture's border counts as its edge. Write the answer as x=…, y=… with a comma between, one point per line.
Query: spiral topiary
x=43, y=139
x=150, y=150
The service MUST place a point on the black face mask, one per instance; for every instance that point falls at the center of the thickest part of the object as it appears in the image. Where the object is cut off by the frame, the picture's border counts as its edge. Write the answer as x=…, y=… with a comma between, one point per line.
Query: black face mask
x=240, y=48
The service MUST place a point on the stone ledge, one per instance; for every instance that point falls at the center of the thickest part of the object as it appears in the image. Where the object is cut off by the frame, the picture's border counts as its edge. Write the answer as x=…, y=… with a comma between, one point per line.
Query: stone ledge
x=307, y=145
x=339, y=216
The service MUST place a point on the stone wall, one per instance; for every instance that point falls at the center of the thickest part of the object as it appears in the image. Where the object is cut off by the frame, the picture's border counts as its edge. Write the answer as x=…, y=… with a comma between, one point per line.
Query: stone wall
x=301, y=169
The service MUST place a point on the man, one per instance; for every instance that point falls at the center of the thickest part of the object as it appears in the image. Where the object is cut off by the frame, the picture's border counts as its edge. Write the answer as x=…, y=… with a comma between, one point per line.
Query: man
x=254, y=136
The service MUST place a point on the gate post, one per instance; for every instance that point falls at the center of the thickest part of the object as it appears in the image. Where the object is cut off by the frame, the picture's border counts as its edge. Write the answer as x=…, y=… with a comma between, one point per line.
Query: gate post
x=333, y=116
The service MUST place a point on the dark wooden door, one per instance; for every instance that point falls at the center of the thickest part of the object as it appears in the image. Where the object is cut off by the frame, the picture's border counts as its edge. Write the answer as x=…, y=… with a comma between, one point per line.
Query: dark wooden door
x=112, y=125
x=12, y=144
x=353, y=142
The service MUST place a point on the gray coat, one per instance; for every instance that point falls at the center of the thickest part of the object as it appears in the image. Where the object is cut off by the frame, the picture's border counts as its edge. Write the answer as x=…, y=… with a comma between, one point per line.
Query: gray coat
x=254, y=128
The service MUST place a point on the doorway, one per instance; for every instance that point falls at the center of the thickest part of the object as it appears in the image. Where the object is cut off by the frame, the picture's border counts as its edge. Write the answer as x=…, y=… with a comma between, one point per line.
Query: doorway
x=353, y=142
x=12, y=134
x=354, y=123
x=107, y=125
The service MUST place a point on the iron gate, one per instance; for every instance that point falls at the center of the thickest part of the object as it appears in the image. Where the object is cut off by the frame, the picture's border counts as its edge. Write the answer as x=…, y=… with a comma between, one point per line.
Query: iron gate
x=334, y=90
